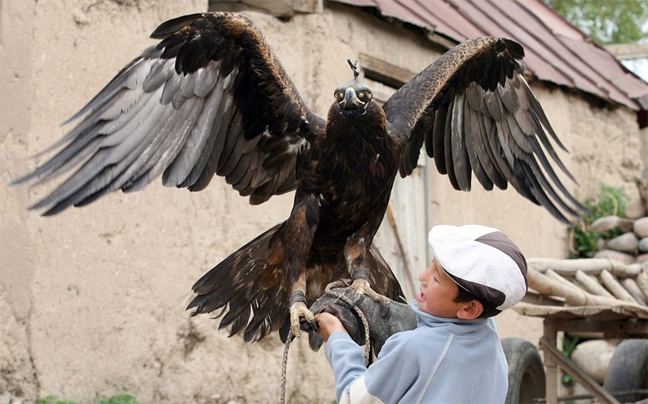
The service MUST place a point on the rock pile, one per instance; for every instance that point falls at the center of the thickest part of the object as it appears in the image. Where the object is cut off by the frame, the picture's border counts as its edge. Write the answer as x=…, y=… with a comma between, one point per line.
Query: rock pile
x=631, y=246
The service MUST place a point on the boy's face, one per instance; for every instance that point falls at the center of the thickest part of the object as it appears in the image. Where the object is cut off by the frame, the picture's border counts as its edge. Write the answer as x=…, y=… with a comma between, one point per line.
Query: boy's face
x=438, y=292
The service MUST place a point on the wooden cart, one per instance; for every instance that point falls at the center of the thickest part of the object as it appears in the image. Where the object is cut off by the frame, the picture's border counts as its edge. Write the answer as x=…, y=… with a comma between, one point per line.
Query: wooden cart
x=595, y=295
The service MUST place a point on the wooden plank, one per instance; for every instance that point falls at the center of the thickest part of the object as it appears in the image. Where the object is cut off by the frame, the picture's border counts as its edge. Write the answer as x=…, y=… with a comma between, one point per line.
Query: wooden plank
x=628, y=51
x=278, y=8
x=620, y=311
x=612, y=329
x=632, y=288
x=535, y=298
x=591, y=266
x=591, y=285
x=379, y=70
x=550, y=336
x=613, y=285
x=551, y=283
x=642, y=282
x=548, y=345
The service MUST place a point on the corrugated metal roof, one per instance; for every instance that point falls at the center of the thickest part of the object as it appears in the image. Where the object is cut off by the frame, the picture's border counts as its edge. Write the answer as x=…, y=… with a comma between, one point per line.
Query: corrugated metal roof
x=556, y=51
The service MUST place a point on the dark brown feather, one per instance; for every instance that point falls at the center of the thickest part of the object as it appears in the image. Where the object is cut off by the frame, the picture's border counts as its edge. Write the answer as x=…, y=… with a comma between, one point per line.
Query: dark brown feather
x=211, y=98
x=225, y=79
x=487, y=121
x=248, y=288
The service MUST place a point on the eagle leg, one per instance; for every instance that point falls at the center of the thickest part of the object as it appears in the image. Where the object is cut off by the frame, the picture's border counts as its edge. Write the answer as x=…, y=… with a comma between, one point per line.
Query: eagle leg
x=360, y=277
x=297, y=237
x=356, y=250
x=299, y=310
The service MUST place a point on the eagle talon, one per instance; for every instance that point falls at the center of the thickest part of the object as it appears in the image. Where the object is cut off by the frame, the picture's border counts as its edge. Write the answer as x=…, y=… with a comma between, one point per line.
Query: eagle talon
x=299, y=311
x=308, y=326
x=361, y=286
x=357, y=299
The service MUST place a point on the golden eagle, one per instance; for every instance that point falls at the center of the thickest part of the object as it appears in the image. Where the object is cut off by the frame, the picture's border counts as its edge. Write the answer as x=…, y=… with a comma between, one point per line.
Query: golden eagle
x=211, y=98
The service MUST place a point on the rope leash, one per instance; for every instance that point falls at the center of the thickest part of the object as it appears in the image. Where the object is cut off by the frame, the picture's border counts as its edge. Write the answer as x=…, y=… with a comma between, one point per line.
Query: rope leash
x=284, y=366
x=291, y=336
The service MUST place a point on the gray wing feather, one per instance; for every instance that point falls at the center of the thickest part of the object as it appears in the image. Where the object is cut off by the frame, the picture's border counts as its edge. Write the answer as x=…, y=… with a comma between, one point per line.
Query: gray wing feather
x=176, y=111
x=193, y=155
x=460, y=161
x=486, y=121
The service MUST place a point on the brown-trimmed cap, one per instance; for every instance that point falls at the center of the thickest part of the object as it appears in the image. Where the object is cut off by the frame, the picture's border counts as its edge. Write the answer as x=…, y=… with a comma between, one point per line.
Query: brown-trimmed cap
x=483, y=261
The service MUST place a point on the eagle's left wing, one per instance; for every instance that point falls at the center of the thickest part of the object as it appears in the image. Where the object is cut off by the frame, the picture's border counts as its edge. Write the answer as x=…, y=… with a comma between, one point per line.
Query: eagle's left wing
x=210, y=98
x=475, y=113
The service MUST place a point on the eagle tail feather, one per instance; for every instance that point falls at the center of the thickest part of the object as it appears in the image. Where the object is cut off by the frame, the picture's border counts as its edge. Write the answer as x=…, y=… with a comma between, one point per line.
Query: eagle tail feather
x=246, y=290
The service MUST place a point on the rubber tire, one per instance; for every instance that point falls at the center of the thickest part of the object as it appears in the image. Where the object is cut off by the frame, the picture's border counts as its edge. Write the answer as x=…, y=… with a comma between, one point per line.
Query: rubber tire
x=526, y=375
x=628, y=369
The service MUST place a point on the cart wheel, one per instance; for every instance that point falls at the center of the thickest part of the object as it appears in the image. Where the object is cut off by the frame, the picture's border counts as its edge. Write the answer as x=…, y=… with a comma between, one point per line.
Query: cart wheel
x=628, y=369
x=526, y=376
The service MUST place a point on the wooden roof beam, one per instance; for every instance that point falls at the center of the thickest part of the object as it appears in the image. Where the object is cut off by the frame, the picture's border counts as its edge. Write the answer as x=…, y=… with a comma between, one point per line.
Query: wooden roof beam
x=628, y=51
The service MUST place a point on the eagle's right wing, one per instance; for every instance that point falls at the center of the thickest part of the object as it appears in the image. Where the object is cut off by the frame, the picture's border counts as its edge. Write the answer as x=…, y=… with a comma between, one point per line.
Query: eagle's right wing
x=210, y=98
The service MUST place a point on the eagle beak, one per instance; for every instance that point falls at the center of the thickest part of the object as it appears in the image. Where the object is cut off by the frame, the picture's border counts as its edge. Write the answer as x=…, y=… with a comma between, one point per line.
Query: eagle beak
x=351, y=100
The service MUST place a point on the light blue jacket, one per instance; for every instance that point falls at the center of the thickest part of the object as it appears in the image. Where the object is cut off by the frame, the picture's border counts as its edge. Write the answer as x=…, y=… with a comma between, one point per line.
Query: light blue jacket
x=443, y=360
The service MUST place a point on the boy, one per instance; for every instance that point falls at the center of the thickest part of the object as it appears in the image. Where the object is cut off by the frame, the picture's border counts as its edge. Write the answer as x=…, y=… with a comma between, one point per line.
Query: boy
x=454, y=355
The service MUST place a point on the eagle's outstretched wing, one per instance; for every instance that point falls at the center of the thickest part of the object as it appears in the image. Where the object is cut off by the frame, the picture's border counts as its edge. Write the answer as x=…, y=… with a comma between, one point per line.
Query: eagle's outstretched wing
x=209, y=98
x=475, y=113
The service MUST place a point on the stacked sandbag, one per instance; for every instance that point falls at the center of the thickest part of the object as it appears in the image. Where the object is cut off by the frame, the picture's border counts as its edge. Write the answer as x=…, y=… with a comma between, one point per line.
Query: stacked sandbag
x=631, y=246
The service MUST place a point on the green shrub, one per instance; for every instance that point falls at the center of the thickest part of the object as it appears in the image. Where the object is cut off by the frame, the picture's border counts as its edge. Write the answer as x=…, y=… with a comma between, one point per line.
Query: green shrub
x=53, y=400
x=118, y=399
x=610, y=202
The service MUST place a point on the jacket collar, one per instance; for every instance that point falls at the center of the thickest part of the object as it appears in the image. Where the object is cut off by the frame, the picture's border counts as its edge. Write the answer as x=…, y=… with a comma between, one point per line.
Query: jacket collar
x=454, y=325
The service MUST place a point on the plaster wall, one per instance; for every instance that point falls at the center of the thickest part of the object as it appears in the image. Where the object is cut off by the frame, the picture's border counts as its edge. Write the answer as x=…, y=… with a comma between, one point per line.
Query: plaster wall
x=92, y=300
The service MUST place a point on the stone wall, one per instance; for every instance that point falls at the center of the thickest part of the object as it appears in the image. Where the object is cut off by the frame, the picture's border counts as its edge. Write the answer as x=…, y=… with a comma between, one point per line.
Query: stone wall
x=92, y=300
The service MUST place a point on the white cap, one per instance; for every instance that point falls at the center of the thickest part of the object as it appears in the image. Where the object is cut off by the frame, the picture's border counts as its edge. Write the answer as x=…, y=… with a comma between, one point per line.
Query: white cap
x=483, y=261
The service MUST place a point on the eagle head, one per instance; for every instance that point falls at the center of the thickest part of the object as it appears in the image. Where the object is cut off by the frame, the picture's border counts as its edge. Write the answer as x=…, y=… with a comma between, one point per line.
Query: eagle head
x=352, y=98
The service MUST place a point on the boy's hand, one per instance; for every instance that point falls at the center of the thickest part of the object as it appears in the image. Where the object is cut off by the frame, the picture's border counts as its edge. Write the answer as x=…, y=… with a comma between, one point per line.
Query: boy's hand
x=328, y=324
